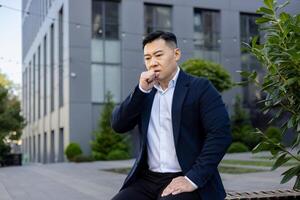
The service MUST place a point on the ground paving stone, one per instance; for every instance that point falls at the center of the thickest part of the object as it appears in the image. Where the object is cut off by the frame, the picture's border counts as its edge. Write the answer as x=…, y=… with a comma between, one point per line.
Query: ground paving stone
x=88, y=181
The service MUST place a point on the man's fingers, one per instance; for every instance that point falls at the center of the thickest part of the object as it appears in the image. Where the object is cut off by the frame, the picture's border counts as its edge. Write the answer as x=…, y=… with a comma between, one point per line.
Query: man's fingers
x=177, y=192
x=168, y=190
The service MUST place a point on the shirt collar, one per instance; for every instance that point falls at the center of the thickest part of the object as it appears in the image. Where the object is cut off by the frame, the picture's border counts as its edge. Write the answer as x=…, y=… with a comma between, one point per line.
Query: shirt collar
x=172, y=82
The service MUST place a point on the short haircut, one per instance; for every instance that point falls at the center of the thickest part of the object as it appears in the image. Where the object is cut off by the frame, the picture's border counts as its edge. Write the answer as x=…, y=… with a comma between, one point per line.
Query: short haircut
x=169, y=37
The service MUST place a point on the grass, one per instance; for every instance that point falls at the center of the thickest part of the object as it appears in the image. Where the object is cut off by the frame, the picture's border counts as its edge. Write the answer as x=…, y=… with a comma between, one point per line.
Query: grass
x=248, y=162
x=262, y=157
x=118, y=170
x=238, y=170
x=254, y=163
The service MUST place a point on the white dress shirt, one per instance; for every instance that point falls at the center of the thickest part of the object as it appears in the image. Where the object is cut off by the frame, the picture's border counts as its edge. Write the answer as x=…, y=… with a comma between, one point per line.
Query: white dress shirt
x=161, y=147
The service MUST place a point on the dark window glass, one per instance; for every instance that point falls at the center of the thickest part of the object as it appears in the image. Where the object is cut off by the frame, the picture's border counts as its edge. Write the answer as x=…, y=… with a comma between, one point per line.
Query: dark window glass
x=248, y=30
x=157, y=17
x=207, y=34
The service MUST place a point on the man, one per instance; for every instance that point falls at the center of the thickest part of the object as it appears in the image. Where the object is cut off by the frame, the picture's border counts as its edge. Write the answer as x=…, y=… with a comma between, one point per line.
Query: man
x=184, y=129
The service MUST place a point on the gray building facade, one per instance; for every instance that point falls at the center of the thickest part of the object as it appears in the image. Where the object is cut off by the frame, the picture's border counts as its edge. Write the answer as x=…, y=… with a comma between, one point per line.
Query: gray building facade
x=75, y=51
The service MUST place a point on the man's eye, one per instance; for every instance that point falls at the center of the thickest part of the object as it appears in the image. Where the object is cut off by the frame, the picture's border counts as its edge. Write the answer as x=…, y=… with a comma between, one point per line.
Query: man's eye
x=147, y=58
x=158, y=55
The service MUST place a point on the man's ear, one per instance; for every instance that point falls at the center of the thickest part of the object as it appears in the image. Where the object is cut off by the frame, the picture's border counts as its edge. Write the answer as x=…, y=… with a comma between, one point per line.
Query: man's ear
x=177, y=54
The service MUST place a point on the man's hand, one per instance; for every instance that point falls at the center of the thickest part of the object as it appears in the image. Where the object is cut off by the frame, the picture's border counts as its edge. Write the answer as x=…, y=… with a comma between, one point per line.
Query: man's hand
x=148, y=79
x=178, y=185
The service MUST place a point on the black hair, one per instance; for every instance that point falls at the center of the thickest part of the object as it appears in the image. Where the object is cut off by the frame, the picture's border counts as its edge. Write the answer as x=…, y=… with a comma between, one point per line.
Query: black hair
x=166, y=36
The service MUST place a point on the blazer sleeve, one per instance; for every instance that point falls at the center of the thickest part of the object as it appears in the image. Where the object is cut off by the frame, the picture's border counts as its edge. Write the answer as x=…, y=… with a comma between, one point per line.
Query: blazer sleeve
x=125, y=116
x=216, y=125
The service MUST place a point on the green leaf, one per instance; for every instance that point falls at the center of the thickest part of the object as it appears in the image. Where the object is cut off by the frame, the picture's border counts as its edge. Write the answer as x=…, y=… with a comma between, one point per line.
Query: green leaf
x=253, y=75
x=290, y=123
x=297, y=183
x=284, y=16
x=269, y=85
x=244, y=74
x=297, y=141
x=262, y=20
x=264, y=10
x=274, y=150
x=260, y=147
x=280, y=161
x=254, y=41
x=291, y=81
x=289, y=174
x=269, y=3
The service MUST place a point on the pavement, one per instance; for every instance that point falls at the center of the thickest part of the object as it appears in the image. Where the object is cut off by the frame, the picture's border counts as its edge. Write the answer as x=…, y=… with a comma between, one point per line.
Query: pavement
x=88, y=181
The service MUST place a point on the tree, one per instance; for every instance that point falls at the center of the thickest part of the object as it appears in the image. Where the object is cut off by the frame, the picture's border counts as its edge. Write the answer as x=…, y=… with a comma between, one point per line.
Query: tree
x=11, y=122
x=5, y=82
x=108, y=145
x=214, y=72
x=280, y=55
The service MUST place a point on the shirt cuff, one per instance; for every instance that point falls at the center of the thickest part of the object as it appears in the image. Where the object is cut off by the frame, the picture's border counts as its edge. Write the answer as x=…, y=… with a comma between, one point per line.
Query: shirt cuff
x=194, y=185
x=145, y=91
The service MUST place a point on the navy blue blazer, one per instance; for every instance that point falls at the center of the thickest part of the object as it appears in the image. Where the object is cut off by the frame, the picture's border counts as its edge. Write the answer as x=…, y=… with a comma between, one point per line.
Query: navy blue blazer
x=201, y=129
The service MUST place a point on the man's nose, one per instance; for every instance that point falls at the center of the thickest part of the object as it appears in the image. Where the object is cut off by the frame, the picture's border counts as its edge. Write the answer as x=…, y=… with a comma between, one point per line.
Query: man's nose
x=153, y=63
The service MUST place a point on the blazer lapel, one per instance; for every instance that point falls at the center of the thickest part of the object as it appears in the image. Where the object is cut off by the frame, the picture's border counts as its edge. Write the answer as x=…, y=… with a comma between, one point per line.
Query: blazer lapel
x=180, y=91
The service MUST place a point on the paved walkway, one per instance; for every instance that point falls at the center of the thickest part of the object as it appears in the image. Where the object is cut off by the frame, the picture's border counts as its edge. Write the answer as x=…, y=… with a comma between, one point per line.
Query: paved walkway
x=88, y=181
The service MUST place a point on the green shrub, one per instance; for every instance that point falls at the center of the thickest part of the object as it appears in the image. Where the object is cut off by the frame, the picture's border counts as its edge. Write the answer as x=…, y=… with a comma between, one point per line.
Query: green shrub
x=72, y=150
x=108, y=145
x=237, y=147
x=214, y=72
x=274, y=133
x=242, y=129
x=117, y=155
x=82, y=158
x=99, y=155
x=246, y=135
x=4, y=151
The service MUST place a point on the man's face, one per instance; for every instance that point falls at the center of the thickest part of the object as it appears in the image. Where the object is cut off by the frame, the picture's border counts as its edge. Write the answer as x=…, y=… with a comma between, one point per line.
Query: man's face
x=162, y=58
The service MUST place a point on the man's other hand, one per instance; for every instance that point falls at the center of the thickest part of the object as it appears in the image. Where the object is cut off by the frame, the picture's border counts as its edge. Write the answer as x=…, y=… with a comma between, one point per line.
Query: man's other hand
x=178, y=185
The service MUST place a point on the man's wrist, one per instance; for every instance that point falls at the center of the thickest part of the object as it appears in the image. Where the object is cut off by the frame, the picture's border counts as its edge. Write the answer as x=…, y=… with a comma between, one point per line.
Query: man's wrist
x=145, y=91
x=191, y=182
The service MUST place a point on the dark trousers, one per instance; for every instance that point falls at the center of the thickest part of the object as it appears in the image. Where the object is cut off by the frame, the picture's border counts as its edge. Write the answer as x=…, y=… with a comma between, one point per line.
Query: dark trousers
x=150, y=186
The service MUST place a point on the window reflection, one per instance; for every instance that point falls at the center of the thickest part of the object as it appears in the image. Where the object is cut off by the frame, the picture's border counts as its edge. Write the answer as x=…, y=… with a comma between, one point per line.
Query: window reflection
x=248, y=30
x=157, y=18
x=207, y=34
x=105, y=50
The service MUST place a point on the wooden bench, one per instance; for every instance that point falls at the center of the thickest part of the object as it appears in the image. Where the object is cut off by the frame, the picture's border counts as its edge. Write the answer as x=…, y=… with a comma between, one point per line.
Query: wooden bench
x=264, y=195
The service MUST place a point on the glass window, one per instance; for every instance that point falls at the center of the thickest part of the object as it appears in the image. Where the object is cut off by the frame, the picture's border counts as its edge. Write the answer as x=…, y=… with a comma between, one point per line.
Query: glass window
x=105, y=20
x=33, y=85
x=97, y=17
x=29, y=92
x=61, y=62
x=97, y=83
x=207, y=34
x=157, y=17
x=113, y=82
x=248, y=29
x=39, y=81
x=112, y=51
x=45, y=74
x=105, y=50
x=111, y=20
x=97, y=50
x=52, y=67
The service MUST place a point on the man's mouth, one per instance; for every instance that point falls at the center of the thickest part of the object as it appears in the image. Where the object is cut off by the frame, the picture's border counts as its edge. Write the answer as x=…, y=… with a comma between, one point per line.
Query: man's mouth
x=157, y=72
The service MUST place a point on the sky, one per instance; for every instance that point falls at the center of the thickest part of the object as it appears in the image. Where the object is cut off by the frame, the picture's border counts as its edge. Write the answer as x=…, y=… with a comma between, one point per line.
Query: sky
x=10, y=40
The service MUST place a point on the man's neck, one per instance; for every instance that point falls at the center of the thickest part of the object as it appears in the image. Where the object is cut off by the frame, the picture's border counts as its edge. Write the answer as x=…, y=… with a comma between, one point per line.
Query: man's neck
x=164, y=84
